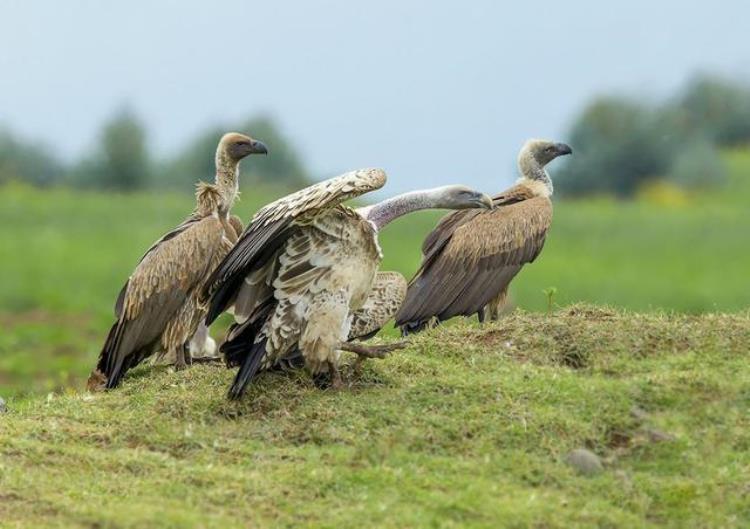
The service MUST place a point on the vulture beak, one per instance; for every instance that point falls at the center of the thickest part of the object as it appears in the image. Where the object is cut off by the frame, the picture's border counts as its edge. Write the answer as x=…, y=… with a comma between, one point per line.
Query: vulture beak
x=484, y=201
x=563, y=149
x=258, y=147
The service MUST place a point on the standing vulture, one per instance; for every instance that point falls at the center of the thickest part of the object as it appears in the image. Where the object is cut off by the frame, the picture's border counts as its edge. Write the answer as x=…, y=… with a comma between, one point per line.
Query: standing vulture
x=303, y=265
x=471, y=257
x=157, y=309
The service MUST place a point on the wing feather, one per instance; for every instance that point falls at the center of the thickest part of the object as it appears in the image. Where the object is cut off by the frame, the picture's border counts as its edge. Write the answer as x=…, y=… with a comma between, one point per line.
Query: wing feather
x=161, y=284
x=470, y=259
x=382, y=303
x=273, y=225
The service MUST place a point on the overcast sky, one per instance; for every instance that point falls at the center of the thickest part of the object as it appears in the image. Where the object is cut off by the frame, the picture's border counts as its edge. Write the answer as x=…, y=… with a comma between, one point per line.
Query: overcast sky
x=435, y=92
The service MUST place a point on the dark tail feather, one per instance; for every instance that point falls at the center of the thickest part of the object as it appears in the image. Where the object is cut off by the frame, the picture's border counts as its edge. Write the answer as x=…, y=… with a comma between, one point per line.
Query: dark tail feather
x=113, y=364
x=110, y=363
x=250, y=364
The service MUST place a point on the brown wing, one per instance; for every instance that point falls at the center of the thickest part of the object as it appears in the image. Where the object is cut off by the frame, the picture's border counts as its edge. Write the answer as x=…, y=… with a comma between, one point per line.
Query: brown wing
x=187, y=223
x=161, y=284
x=449, y=223
x=472, y=259
x=272, y=226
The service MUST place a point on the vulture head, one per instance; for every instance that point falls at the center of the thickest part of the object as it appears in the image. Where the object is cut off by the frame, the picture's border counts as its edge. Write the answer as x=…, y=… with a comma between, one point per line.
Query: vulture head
x=236, y=146
x=458, y=197
x=542, y=152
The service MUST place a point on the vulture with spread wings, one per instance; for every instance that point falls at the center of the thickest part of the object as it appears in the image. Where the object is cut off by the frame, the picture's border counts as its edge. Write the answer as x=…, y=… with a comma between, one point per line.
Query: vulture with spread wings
x=471, y=257
x=304, y=264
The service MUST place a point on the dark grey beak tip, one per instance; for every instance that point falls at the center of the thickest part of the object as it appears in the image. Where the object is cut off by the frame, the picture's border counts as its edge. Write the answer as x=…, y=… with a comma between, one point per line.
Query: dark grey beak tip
x=563, y=149
x=484, y=201
x=259, y=147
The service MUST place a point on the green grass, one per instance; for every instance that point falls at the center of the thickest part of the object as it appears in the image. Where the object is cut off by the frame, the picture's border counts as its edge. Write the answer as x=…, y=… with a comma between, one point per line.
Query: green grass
x=468, y=427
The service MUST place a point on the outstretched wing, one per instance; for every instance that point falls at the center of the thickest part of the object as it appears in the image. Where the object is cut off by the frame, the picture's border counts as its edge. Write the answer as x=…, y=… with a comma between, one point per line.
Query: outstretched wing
x=469, y=259
x=168, y=274
x=271, y=227
x=303, y=301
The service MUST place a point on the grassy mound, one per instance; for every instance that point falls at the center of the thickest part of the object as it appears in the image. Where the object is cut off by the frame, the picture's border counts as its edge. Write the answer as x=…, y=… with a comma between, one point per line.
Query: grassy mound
x=469, y=426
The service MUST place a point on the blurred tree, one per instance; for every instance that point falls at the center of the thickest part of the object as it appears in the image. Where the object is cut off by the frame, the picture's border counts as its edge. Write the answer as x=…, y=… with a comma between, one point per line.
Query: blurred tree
x=718, y=108
x=27, y=161
x=698, y=165
x=121, y=160
x=196, y=161
x=618, y=144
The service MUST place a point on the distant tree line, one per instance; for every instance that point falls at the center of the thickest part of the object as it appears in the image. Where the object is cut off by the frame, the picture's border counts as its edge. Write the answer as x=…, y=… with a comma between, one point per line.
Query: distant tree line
x=621, y=143
x=121, y=159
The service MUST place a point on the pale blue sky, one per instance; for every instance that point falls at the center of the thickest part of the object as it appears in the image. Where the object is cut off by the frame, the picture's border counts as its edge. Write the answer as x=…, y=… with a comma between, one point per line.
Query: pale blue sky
x=434, y=92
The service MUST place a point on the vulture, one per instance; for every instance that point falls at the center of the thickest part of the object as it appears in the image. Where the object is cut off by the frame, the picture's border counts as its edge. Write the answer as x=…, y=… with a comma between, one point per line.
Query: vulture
x=157, y=310
x=304, y=264
x=471, y=257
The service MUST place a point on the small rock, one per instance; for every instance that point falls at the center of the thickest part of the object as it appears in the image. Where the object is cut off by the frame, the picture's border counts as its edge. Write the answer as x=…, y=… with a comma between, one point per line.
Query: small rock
x=657, y=436
x=638, y=413
x=585, y=462
x=3, y=406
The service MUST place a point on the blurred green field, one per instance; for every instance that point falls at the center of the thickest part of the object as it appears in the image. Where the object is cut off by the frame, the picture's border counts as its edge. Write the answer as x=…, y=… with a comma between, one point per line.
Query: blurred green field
x=65, y=254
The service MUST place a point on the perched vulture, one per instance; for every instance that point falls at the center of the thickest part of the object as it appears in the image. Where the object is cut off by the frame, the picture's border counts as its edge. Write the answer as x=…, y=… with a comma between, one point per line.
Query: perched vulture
x=303, y=265
x=470, y=258
x=157, y=309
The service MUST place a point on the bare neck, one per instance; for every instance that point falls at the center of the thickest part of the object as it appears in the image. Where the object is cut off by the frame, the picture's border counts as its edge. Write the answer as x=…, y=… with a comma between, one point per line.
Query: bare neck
x=227, y=176
x=384, y=212
x=531, y=169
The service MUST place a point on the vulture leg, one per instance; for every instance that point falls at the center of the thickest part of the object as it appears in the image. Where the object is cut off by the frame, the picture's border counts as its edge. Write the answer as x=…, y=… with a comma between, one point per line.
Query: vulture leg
x=481, y=315
x=372, y=351
x=496, y=305
x=364, y=352
x=182, y=358
x=336, y=382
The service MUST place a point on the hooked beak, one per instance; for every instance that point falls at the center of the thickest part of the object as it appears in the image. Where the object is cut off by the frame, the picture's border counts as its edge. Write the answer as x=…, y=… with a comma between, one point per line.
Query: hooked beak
x=483, y=201
x=563, y=149
x=258, y=147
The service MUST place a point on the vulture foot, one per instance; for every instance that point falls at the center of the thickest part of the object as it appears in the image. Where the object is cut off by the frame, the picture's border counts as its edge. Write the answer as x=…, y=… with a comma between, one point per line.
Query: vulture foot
x=182, y=359
x=373, y=351
x=207, y=360
x=364, y=352
x=336, y=382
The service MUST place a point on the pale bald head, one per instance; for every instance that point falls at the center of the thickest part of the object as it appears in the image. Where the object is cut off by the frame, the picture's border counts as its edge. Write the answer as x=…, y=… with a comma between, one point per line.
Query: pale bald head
x=236, y=146
x=542, y=152
x=457, y=197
